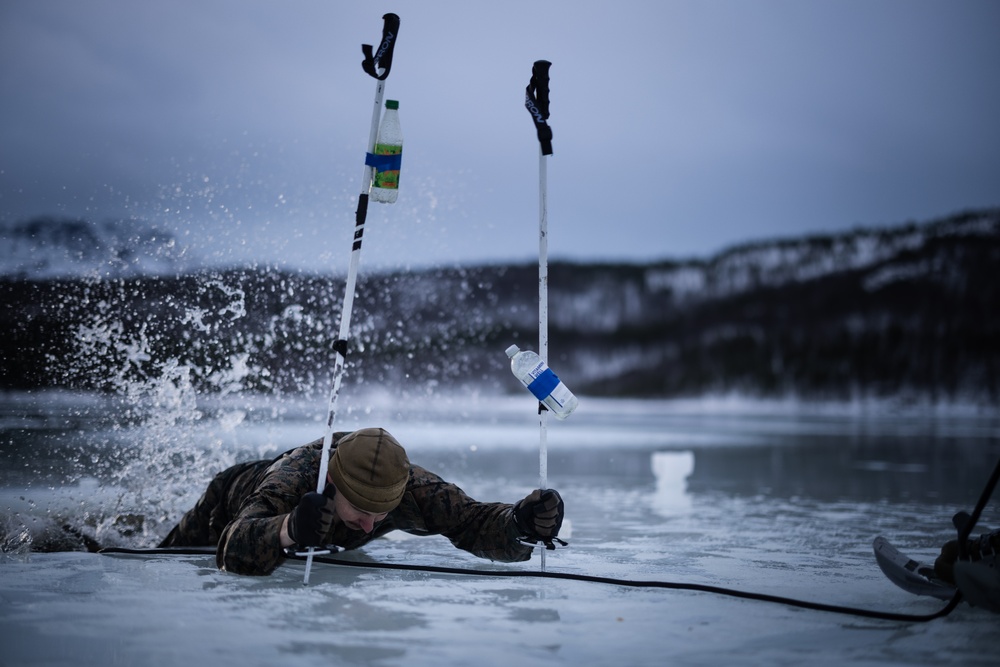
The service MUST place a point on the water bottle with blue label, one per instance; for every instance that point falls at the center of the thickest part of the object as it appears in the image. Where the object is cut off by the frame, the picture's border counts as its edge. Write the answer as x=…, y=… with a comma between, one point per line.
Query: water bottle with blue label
x=534, y=374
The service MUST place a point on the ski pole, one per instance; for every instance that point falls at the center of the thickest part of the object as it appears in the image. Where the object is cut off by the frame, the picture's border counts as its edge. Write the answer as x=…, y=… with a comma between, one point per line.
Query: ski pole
x=376, y=65
x=537, y=103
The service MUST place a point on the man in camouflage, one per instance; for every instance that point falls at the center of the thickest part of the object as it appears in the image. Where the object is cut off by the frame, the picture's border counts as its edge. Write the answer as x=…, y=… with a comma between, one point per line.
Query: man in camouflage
x=252, y=511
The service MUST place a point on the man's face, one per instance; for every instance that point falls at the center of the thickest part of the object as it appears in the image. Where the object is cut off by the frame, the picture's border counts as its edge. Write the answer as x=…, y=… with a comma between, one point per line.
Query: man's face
x=354, y=518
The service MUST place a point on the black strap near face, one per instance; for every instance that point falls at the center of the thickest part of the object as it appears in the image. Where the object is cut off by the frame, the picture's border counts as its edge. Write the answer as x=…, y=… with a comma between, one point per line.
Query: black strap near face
x=536, y=101
x=382, y=59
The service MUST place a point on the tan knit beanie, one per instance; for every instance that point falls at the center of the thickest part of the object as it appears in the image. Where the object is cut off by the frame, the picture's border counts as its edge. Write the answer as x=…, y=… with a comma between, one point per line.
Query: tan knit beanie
x=370, y=469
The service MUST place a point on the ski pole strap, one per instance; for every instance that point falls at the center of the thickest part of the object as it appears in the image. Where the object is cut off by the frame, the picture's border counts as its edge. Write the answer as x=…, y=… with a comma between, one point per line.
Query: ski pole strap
x=383, y=58
x=536, y=101
x=549, y=543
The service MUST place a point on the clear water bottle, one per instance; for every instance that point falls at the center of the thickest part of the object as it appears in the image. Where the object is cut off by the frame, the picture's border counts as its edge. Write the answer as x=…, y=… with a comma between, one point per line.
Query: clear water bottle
x=388, y=156
x=534, y=374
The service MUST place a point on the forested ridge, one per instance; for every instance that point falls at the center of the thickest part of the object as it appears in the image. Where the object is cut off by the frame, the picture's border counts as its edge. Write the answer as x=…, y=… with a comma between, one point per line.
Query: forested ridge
x=908, y=311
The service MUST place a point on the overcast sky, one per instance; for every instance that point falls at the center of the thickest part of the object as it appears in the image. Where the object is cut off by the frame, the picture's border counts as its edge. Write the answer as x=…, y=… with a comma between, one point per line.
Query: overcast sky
x=681, y=127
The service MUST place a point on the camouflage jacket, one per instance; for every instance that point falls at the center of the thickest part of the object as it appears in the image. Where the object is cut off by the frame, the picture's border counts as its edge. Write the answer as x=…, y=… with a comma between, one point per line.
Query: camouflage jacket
x=256, y=497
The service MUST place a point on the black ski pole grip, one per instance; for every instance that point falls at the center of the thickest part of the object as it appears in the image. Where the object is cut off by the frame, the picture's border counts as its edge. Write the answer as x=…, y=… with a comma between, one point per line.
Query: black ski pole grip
x=536, y=101
x=382, y=59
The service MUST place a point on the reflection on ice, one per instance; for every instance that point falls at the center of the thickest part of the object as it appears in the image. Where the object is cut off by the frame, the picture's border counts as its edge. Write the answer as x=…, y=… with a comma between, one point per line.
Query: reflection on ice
x=880, y=466
x=671, y=470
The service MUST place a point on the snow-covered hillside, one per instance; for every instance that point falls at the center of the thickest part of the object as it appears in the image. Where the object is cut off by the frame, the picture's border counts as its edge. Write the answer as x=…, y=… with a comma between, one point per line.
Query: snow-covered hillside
x=50, y=247
x=896, y=312
x=778, y=262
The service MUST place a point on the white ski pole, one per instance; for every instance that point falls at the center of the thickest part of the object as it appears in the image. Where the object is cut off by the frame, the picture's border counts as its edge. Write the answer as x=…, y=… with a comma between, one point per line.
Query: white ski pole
x=376, y=65
x=537, y=103
x=543, y=321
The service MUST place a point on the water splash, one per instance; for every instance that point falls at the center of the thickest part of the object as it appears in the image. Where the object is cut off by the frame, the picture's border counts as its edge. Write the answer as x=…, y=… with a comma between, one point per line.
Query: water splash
x=184, y=362
x=15, y=540
x=168, y=428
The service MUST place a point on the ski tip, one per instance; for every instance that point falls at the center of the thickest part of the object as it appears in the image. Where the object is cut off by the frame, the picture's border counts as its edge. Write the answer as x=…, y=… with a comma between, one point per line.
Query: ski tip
x=909, y=574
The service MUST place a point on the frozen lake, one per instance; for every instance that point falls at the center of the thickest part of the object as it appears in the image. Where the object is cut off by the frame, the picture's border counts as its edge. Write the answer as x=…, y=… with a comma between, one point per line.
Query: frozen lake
x=773, y=498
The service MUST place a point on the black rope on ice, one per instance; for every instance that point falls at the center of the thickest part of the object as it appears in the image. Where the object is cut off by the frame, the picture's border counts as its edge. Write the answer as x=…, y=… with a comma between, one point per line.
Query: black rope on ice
x=566, y=576
x=964, y=531
x=678, y=586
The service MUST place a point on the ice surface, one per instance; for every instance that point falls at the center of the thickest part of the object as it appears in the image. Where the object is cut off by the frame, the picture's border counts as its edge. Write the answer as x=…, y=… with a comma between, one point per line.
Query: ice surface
x=772, y=498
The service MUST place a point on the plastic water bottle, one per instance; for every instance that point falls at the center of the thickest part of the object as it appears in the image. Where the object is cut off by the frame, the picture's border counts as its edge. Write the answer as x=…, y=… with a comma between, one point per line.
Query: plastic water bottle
x=534, y=374
x=385, y=185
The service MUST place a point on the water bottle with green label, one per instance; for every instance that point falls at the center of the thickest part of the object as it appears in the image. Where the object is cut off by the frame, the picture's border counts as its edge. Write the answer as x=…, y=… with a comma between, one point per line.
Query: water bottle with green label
x=388, y=156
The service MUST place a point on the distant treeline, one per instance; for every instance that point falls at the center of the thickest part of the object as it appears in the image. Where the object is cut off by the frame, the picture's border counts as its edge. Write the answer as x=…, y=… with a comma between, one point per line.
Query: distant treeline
x=911, y=311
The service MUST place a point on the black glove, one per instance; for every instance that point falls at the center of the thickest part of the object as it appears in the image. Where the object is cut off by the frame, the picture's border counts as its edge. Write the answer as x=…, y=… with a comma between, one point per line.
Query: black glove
x=311, y=520
x=539, y=516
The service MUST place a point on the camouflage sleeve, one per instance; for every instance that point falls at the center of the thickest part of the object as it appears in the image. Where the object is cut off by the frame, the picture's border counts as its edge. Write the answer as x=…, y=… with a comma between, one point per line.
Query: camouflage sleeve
x=251, y=543
x=433, y=506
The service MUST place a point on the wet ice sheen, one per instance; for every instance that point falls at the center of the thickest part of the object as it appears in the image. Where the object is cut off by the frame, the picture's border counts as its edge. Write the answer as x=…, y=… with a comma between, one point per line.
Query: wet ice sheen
x=785, y=504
